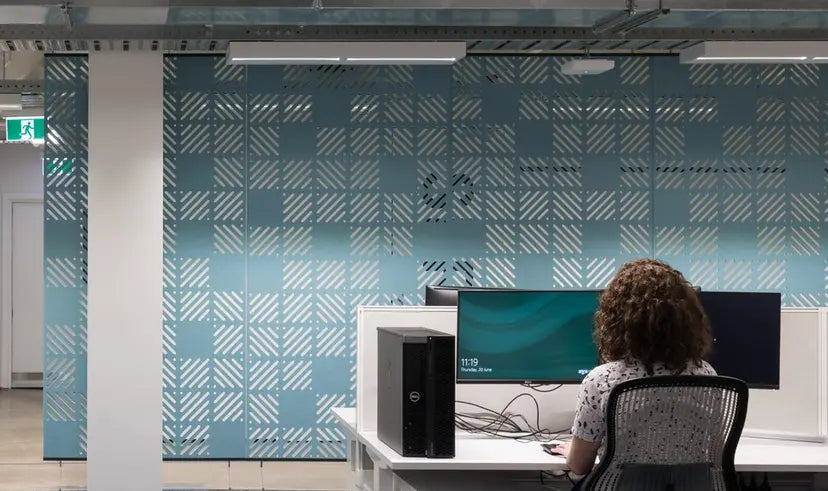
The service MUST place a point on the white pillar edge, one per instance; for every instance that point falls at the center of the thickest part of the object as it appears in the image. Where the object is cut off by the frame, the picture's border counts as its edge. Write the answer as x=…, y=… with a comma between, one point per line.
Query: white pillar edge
x=125, y=271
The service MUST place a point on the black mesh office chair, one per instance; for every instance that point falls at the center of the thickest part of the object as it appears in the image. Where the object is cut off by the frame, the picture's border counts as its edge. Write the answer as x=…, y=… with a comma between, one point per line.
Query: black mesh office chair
x=676, y=433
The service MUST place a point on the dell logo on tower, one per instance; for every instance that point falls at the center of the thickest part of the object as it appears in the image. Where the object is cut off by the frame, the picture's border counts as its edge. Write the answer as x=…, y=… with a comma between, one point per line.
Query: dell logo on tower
x=414, y=396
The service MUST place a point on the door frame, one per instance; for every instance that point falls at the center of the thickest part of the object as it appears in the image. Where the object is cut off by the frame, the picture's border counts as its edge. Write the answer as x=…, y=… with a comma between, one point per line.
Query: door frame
x=8, y=201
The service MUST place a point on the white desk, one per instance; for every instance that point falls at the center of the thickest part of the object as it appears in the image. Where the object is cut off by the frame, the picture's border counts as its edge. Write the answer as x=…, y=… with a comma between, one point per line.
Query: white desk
x=380, y=467
x=346, y=418
x=471, y=454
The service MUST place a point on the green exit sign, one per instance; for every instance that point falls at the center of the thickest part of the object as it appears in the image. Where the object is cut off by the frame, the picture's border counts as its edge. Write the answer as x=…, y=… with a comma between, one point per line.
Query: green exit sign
x=25, y=129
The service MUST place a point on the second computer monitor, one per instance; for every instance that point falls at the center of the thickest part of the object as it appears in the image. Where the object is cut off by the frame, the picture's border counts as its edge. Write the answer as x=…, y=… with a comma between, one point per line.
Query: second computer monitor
x=446, y=296
x=525, y=336
x=443, y=296
x=746, y=335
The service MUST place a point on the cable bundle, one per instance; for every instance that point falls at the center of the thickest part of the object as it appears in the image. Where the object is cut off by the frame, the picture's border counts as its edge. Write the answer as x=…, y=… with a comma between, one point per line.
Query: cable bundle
x=504, y=424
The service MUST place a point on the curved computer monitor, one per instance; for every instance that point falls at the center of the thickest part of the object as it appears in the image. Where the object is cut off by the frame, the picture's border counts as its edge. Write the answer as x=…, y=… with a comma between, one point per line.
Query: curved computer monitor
x=525, y=336
x=446, y=296
x=746, y=329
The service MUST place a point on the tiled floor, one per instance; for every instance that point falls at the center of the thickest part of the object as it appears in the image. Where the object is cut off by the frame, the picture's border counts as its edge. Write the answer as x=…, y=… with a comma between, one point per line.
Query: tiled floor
x=22, y=468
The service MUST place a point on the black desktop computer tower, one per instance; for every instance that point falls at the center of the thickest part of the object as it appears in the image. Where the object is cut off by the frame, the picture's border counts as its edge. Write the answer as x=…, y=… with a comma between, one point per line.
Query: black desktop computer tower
x=415, y=391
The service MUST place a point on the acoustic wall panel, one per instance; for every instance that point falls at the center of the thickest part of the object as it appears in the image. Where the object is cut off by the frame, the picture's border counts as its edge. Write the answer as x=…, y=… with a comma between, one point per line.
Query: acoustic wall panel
x=740, y=176
x=294, y=194
x=65, y=245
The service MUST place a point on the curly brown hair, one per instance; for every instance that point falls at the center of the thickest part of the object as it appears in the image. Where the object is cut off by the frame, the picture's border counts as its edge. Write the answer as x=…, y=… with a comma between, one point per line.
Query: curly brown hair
x=649, y=313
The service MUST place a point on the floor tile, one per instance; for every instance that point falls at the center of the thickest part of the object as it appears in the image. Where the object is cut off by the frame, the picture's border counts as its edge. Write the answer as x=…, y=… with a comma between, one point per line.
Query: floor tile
x=21, y=426
x=196, y=475
x=245, y=475
x=29, y=476
x=22, y=467
x=305, y=475
x=73, y=474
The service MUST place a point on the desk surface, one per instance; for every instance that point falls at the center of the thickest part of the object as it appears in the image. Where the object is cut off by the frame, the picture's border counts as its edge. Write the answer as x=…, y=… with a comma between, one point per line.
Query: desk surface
x=345, y=417
x=494, y=454
x=476, y=453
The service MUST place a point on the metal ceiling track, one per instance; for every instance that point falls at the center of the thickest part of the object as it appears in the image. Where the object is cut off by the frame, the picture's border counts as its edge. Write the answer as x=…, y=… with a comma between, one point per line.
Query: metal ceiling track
x=687, y=5
x=60, y=38
x=21, y=86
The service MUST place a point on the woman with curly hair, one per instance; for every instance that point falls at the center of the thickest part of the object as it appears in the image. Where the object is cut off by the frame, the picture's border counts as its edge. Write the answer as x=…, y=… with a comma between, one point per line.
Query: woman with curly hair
x=649, y=322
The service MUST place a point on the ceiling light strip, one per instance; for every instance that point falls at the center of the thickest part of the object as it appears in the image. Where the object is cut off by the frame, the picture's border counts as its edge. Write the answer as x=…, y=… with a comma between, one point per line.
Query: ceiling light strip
x=350, y=52
x=768, y=58
x=412, y=59
x=287, y=59
x=756, y=52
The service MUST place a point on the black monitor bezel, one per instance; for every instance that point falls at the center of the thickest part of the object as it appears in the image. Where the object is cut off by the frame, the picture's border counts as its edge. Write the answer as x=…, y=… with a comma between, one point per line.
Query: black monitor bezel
x=462, y=288
x=460, y=380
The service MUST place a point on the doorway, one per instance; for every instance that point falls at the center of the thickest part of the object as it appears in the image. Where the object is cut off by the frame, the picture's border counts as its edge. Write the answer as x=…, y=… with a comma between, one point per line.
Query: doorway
x=27, y=294
x=23, y=292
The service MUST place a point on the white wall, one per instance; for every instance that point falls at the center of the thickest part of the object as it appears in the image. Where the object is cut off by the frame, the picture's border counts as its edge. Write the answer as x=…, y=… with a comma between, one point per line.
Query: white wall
x=125, y=263
x=21, y=169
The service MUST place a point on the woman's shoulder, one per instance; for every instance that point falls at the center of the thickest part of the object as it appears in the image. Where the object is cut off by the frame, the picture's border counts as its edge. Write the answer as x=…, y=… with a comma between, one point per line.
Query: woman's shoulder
x=620, y=370
x=704, y=368
x=613, y=369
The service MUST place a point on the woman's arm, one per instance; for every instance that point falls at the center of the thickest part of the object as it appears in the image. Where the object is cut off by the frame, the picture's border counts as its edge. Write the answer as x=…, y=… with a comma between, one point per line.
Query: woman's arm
x=581, y=454
x=589, y=428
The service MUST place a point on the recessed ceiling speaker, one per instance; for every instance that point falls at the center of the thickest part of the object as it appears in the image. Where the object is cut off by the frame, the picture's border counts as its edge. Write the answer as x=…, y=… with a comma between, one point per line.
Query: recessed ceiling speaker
x=587, y=66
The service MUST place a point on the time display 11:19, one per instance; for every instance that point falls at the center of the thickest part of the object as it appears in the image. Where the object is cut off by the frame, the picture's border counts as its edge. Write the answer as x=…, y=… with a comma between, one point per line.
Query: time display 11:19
x=468, y=362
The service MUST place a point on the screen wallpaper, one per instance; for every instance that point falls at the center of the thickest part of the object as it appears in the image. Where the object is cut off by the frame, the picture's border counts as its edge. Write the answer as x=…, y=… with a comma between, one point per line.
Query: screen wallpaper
x=526, y=335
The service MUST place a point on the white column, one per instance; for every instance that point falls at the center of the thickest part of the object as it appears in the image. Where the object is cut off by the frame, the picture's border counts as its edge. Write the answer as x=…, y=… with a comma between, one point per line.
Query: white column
x=125, y=262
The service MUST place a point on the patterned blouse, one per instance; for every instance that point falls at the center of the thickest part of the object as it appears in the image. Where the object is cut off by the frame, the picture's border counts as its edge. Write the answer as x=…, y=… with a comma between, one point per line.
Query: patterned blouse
x=590, y=423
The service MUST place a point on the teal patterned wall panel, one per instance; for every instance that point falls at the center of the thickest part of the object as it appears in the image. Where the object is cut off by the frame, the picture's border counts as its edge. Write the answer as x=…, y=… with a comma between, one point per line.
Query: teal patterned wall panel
x=740, y=176
x=295, y=194
x=65, y=245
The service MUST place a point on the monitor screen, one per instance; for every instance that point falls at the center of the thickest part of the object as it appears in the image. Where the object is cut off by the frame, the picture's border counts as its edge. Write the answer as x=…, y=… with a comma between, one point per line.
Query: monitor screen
x=525, y=336
x=746, y=332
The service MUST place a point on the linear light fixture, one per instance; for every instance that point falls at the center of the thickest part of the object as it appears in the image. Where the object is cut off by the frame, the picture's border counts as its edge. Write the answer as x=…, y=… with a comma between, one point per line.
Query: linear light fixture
x=756, y=52
x=345, y=53
x=402, y=60
x=752, y=58
x=297, y=60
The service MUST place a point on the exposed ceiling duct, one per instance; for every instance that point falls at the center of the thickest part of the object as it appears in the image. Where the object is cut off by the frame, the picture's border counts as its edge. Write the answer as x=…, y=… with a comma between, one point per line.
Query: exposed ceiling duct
x=21, y=86
x=21, y=65
x=11, y=102
x=430, y=4
x=487, y=26
x=479, y=40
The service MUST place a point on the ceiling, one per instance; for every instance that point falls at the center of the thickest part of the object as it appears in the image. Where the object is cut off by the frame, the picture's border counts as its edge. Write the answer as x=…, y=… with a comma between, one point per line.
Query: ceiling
x=546, y=26
x=562, y=17
x=29, y=28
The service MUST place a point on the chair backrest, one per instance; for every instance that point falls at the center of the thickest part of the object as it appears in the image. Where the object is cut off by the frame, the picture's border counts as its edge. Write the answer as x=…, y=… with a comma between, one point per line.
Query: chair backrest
x=677, y=421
